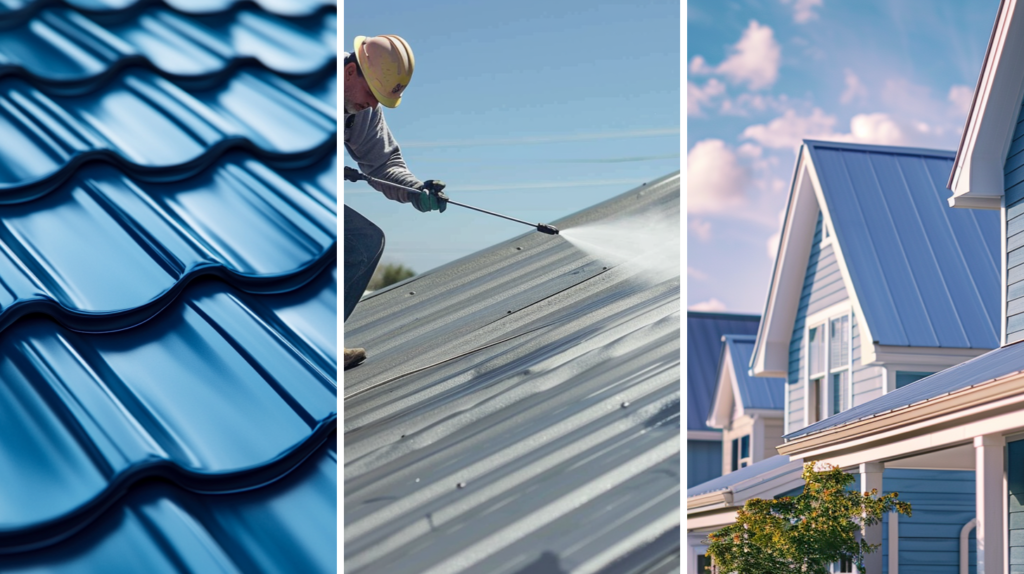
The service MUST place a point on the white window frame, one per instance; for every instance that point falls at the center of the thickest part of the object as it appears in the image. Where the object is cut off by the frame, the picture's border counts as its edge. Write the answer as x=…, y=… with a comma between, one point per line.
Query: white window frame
x=824, y=318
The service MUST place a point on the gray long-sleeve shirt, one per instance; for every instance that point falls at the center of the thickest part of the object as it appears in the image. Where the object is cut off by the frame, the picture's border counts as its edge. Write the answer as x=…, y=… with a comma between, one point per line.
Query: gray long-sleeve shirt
x=370, y=143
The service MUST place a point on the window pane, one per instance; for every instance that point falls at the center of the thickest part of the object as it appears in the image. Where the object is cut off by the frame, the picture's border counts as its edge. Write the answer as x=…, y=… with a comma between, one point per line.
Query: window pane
x=816, y=350
x=903, y=378
x=735, y=454
x=839, y=330
x=745, y=447
x=812, y=402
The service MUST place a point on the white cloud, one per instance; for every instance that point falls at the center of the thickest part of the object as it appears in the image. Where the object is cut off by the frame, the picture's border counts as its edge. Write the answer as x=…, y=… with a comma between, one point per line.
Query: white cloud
x=699, y=66
x=697, y=97
x=961, y=97
x=700, y=228
x=696, y=274
x=855, y=90
x=709, y=305
x=754, y=59
x=750, y=150
x=803, y=10
x=787, y=131
x=716, y=181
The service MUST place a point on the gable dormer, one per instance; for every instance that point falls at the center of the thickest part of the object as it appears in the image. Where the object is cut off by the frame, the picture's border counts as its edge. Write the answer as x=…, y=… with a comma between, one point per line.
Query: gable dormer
x=989, y=169
x=876, y=282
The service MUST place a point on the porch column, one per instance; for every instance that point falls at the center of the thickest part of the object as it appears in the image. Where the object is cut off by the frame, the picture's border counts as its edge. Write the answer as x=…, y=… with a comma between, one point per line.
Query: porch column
x=871, y=477
x=989, y=494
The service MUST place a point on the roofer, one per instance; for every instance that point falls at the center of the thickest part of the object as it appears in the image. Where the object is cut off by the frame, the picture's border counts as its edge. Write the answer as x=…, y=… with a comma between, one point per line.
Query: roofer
x=377, y=72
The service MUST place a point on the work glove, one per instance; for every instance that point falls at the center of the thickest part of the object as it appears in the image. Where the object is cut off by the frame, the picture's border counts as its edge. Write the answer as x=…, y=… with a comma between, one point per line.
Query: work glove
x=430, y=197
x=352, y=174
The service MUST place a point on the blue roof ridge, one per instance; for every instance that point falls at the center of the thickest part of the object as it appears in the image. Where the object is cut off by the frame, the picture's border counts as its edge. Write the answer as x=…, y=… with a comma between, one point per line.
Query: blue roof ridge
x=876, y=148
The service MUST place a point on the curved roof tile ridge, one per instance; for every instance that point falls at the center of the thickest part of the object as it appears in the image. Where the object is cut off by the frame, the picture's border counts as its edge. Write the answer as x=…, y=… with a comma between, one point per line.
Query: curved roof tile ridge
x=14, y=12
x=48, y=137
x=160, y=527
x=105, y=252
x=181, y=397
x=63, y=49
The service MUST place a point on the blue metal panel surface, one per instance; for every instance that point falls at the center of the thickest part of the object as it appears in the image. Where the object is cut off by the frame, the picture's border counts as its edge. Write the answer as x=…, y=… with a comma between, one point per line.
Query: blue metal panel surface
x=767, y=467
x=703, y=349
x=65, y=50
x=994, y=364
x=14, y=10
x=512, y=400
x=160, y=235
x=161, y=528
x=168, y=287
x=703, y=461
x=755, y=392
x=109, y=409
x=48, y=137
x=926, y=275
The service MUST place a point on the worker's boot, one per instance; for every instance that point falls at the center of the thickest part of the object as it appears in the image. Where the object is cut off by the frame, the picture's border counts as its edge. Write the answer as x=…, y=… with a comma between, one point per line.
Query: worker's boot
x=353, y=357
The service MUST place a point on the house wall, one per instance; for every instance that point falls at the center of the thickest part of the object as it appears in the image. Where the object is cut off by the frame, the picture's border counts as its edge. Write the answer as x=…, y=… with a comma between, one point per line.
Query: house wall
x=942, y=502
x=823, y=287
x=703, y=461
x=1015, y=487
x=772, y=438
x=1014, y=196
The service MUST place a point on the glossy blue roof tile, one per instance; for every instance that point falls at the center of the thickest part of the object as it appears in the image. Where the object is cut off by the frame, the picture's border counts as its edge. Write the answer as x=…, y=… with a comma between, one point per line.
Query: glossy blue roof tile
x=47, y=138
x=147, y=240
x=755, y=392
x=287, y=526
x=926, y=275
x=222, y=390
x=62, y=46
x=17, y=10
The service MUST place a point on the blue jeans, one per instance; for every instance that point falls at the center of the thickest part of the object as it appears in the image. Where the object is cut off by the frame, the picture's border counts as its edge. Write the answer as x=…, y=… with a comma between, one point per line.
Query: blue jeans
x=364, y=244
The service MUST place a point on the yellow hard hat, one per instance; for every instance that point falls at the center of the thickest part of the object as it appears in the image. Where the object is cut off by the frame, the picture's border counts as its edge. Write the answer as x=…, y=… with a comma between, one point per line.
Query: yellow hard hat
x=387, y=64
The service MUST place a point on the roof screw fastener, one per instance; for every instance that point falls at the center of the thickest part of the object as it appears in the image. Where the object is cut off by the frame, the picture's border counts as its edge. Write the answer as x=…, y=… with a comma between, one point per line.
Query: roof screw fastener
x=510, y=312
x=604, y=269
x=625, y=404
x=417, y=480
x=412, y=292
x=461, y=485
x=519, y=248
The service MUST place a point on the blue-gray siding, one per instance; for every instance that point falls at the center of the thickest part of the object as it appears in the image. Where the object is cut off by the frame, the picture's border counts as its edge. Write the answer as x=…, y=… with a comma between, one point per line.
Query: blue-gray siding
x=1015, y=486
x=823, y=287
x=703, y=461
x=1014, y=184
x=942, y=502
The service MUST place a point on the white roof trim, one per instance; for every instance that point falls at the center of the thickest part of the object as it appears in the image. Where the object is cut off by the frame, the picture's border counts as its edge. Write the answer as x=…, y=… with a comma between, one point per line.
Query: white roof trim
x=771, y=351
x=977, y=177
x=727, y=392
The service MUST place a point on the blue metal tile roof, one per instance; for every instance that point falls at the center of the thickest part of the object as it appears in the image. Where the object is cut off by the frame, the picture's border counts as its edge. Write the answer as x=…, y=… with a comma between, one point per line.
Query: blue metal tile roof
x=168, y=287
x=557, y=411
x=755, y=392
x=160, y=528
x=926, y=275
x=704, y=333
x=64, y=48
x=994, y=364
x=47, y=137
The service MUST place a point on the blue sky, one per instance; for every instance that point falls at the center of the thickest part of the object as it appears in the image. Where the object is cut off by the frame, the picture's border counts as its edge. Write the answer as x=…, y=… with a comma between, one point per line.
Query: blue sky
x=762, y=74
x=535, y=109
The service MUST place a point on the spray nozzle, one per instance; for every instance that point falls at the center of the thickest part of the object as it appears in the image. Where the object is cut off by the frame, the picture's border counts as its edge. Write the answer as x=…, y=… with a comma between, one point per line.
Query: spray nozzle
x=549, y=229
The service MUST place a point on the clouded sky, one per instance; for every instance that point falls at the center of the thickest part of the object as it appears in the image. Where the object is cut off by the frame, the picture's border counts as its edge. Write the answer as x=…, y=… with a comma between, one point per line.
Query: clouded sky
x=763, y=74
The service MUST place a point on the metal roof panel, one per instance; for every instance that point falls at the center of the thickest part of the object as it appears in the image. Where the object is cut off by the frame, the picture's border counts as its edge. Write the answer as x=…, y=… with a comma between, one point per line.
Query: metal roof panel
x=755, y=392
x=559, y=410
x=704, y=333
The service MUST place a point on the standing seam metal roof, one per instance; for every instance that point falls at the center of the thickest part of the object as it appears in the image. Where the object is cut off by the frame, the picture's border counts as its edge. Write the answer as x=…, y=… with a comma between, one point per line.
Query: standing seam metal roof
x=168, y=288
x=755, y=392
x=552, y=448
x=926, y=275
x=704, y=333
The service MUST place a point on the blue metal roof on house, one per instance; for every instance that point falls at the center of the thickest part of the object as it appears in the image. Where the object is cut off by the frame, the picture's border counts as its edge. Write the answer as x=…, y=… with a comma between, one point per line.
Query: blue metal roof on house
x=992, y=365
x=926, y=275
x=755, y=392
x=511, y=401
x=168, y=287
x=704, y=333
x=728, y=481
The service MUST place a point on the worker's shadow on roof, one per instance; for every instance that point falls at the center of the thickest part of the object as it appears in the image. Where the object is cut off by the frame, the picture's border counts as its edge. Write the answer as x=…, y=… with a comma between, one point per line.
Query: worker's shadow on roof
x=546, y=563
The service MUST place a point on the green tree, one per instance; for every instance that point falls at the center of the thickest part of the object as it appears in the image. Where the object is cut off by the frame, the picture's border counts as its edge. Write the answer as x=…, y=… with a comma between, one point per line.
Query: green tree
x=805, y=533
x=388, y=274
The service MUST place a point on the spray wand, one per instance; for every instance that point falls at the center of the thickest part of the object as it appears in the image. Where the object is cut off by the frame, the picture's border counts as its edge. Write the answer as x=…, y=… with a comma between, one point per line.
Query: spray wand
x=354, y=175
